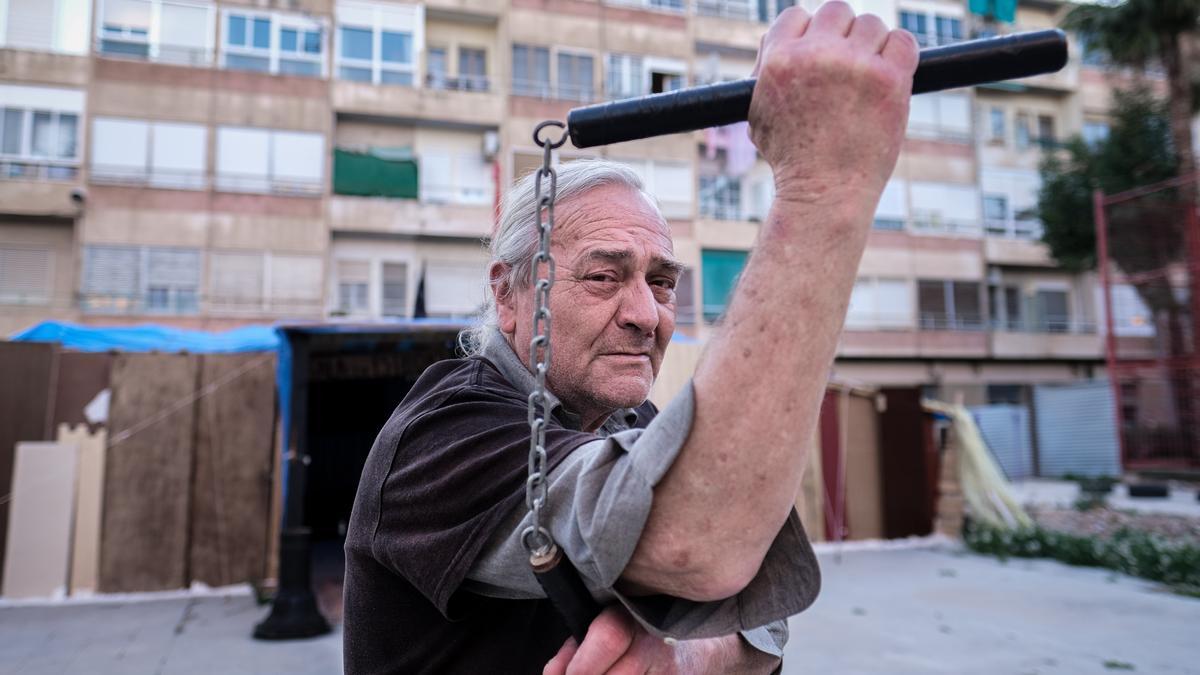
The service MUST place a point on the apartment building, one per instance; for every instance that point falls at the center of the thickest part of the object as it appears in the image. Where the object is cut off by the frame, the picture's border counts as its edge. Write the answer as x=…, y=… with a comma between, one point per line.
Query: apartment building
x=214, y=163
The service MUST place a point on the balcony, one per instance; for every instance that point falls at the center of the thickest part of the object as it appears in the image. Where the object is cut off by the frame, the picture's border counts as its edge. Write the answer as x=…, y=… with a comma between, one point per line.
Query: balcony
x=462, y=106
x=141, y=177
x=934, y=223
x=138, y=47
x=382, y=215
x=1016, y=251
x=44, y=68
x=1048, y=337
x=38, y=188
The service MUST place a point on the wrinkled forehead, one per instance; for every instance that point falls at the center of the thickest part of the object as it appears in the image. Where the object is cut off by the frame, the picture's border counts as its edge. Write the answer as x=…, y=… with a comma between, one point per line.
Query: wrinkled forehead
x=611, y=216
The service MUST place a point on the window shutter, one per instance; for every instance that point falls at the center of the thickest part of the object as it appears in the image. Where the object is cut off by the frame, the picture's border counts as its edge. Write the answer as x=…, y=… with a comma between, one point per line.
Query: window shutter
x=110, y=276
x=719, y=273
x=298, y=158
x=893, y=301
x=453, y=288
x=243, y=159
x=395, y=289
x=30, y=24
x=672, y=184
x=25, y=275
x=235, y=280
x=177, y=155
x=119, y=148
x=296, y=282
x=183, y=34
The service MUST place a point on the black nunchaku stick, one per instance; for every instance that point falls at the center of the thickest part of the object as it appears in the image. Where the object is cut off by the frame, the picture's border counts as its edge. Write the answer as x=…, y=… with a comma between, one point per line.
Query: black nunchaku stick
x=959, y=65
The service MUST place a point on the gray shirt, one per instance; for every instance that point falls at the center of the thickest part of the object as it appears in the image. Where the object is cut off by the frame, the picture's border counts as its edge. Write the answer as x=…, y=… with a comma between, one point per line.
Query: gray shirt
x=599, y=498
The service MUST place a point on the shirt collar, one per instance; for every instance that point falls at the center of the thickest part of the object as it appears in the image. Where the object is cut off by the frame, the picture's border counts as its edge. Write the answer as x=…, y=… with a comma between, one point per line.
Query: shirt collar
x=499, y=352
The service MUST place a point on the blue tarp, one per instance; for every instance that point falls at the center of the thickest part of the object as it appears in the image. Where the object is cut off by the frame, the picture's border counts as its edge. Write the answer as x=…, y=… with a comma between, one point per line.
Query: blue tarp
x=150, y=337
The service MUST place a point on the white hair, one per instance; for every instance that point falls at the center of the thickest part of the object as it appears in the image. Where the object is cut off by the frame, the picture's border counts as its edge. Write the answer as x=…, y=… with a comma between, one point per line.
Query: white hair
x=517, y=237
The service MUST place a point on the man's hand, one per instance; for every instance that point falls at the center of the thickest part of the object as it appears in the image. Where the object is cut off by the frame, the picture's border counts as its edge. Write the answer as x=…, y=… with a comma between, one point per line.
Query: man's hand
x=616, y=643
x=831, y=101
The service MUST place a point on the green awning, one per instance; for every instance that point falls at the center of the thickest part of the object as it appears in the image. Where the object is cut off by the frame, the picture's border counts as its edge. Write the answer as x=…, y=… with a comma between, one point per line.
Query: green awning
x=719, y=273
x=369, y=175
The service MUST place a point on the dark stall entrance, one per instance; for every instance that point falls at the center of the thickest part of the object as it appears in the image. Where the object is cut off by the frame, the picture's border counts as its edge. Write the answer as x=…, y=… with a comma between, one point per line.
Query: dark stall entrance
x=354, y=379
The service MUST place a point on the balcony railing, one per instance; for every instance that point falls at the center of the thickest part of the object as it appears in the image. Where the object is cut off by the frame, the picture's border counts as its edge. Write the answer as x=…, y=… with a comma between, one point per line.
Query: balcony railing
x=746, y=10
x=38, y=169
x=547, y=90
x=935, y=224
x=131, y=47
x=960, y=322
x=170, y=179
x=277, y=185
x=1014, y=228
x=478, y=195
x=460, y=83
x=1047, y=324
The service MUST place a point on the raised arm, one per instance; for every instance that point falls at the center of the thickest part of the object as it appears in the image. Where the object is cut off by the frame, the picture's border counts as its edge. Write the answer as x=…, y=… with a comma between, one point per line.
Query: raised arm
x=828, y=115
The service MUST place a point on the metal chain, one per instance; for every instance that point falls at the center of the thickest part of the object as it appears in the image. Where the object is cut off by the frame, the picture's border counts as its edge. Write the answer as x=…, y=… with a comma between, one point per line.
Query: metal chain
x=536, y=537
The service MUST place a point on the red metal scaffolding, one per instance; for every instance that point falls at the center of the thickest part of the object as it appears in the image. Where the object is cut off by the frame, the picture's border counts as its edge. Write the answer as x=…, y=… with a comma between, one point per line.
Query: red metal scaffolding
x=1148, y=242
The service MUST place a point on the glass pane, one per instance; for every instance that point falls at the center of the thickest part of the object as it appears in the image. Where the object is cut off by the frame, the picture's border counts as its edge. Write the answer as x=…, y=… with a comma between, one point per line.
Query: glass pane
x=994, y=208
x=260, y=64
x=43, y=139
x=395, y=289
x=396, y=47
x=297, y=67
x=968, y=312
x=14, y=120
x=436, y=67
x=355, y=74
x=356, y=43
x=396, y=77
x=931, y=303
x=67, y=134
x=237, y=30
x=262, y=33
x=471, y=62
x=289, y=39
x=312, y=41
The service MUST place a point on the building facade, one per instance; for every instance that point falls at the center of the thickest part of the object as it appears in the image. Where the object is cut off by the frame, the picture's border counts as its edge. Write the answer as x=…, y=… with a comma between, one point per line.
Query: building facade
x=214, y=163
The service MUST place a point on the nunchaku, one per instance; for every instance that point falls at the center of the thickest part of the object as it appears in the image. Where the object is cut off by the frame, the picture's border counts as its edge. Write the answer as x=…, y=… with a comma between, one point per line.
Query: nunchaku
x=964, y=64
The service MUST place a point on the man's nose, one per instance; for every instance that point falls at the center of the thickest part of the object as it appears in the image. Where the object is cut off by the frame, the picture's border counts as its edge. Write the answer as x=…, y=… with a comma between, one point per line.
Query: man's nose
x=639, y=309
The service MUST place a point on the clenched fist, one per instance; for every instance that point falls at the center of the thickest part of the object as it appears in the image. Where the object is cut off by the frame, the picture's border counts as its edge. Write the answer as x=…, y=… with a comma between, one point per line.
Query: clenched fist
x=831, y=102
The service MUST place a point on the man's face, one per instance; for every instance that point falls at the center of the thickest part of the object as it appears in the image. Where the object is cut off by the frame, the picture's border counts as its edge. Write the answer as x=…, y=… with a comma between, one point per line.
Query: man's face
x=613, y=301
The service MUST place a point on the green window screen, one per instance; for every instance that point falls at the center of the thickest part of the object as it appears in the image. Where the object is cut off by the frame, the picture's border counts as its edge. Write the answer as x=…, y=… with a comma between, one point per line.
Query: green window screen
x=368, y=175
x=720, y=271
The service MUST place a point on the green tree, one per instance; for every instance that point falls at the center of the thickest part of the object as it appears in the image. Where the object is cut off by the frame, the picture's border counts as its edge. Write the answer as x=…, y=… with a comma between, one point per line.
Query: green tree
x=1140, y=32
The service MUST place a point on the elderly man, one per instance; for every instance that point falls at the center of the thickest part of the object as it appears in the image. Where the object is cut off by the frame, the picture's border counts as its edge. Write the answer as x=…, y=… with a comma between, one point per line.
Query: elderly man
x=682, y=524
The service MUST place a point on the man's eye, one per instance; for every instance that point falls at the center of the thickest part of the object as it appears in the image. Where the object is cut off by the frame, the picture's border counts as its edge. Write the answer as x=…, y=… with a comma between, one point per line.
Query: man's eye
x=601, y=277
x=664, y=283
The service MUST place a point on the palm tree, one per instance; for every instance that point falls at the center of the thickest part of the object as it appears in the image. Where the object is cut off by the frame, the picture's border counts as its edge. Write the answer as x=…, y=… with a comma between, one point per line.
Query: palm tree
x=1139, y=32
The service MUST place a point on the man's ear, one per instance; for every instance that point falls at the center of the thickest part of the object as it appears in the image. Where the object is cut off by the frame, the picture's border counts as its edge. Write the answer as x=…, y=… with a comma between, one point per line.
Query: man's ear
x=506, y=301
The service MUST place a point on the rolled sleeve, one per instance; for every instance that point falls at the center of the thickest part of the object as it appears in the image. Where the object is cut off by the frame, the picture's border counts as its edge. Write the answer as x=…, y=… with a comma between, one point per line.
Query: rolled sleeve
x=600, y=497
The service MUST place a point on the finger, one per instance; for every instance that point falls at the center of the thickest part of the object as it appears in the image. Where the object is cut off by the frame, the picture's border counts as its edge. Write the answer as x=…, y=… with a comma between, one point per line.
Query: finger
x=607, y=640
x=791, y=23
x=558, y=664
x=833, y=18
x=901, y=49
x=869, y=32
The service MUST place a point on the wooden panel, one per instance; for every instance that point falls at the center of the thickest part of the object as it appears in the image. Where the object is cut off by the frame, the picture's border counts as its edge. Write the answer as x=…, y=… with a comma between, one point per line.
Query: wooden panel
x=25, y=410
x=864, y=499
x=39, y=532
x=148, y=472
x=89, y=501
x=231, y=493
x=81, y=375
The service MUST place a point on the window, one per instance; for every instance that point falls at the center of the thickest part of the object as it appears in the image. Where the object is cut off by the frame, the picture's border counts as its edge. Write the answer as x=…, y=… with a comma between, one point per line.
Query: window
x=172, y=31
x=1006, y=394
x=719, y=274
x=1024, y=132
x=436, y=68
x=945, y=117
x=1007, y=308
x=37, y=144
x=665, y=78
x=395, y=289
x=949, y=305
x=472, y=69
x=265, y=160
x=1046, y=131
x=916, y=24
x=294, y=283
x=624, y=77
x=26, y=276
x=671, y=183
x=892, y=211
x=720, y=197
x=140, y=279
x=575, y=77
x=685, y=298
x=353, y=287
x=1053, y=311
x=453, y=168
x=949, y=30
x=46, y=25
x=945, y=208
x=253, y=282
x=453, y=288
x=997, y=125
x=273, y=43
x=377, y=42
x=235, y=281
x=995, y=214
x=531, y=70
x=880, y=303
x=1095, y=133
x=159, y=154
